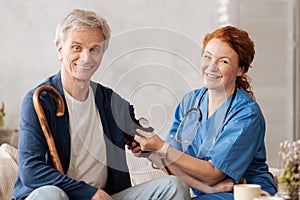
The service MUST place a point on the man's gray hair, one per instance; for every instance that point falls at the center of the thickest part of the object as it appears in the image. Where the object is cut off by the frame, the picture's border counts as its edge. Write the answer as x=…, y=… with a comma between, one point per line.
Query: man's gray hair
x=79, y=20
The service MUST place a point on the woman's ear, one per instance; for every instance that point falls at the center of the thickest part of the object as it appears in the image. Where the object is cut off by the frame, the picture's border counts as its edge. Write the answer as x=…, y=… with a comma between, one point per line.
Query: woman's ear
x=241, y=71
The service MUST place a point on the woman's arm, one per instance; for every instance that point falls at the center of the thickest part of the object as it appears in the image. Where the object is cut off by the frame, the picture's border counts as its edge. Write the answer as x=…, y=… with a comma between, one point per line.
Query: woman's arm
x=226, y=185
x=191, y=166
x=197, y=168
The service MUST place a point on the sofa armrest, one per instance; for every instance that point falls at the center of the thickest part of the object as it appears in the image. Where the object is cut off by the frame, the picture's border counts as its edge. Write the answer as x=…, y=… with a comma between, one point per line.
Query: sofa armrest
x=8, y=170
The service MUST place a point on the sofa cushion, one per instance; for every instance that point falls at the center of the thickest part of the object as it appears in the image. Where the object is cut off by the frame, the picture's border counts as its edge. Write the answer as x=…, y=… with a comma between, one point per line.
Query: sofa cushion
x=8, y=170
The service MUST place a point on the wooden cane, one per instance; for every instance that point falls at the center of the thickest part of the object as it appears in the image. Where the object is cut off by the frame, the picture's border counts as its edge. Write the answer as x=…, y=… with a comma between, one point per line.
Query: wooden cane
x=60, y=109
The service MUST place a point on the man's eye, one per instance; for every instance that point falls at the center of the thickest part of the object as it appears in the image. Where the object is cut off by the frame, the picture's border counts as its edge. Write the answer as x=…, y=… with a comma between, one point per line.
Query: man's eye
x=96, y=50
x=76, y=48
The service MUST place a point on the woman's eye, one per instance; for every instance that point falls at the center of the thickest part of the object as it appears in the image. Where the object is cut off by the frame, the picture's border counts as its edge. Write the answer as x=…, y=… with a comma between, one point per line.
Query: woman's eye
x=224, y=62
x=206, y=57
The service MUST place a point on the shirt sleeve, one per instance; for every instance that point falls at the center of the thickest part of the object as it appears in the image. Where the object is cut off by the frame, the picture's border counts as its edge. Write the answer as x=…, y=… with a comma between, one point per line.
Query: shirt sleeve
x=239, y=141
x=190, y=100
x=172, y=132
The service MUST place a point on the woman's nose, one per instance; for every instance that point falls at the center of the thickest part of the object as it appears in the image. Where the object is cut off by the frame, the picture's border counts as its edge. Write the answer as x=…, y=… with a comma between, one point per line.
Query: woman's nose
x=212, y=65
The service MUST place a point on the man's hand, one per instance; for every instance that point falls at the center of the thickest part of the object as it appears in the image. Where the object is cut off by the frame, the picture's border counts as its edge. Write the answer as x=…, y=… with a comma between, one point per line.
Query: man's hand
x=101, y=195
x=135, y=148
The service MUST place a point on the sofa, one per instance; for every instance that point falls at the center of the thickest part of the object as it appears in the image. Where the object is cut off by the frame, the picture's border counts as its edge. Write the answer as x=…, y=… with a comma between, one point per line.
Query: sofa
x=8, y=170
x=140, y=170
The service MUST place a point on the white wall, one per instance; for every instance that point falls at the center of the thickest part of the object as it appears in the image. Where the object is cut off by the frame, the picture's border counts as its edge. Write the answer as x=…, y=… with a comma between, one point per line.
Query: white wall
x=154, y=54
x=28, y=55
x=270, y=25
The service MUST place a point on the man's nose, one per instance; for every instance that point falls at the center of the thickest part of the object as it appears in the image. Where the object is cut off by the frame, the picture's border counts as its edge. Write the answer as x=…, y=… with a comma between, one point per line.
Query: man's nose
x=85, y=55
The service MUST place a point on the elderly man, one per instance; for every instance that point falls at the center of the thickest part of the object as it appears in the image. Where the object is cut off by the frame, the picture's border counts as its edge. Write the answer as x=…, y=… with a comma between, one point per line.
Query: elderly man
x=90, y=137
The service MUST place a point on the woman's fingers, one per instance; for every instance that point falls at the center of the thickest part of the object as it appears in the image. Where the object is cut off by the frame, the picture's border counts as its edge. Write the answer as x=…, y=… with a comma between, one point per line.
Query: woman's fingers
x=144, y=133
x=148, y=141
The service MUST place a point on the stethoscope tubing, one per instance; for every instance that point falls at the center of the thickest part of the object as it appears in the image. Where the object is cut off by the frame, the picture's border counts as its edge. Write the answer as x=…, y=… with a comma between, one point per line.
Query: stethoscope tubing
x=200, y=116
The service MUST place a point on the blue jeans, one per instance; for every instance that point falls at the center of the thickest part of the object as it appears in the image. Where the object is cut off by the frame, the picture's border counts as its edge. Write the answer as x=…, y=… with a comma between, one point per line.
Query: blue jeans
x=215, y=196
x=48, y=192
x=166, y=187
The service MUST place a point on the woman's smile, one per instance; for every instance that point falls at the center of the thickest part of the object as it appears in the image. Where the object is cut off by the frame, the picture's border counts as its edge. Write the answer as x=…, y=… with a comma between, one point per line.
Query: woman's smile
x=212, y=76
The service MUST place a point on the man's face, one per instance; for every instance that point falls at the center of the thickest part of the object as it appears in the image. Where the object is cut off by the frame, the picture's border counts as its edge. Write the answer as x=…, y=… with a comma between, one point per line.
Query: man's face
x=81, y=53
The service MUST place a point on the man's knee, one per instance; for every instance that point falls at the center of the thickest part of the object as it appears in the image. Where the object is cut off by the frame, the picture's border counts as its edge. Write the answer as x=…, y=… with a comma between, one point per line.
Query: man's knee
x=48, y=192
x=175, y=181
x=177, y=187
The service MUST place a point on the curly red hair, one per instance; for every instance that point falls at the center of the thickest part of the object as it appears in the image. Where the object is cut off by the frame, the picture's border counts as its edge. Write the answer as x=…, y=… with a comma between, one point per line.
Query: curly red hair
x=241, y=43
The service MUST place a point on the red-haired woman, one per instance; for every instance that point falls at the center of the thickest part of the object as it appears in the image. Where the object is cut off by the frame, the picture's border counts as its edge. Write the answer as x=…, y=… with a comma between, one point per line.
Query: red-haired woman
x=217, y=136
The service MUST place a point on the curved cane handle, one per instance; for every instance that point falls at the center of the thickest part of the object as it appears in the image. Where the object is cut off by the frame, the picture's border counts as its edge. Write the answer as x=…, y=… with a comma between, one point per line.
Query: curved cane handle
x=60, y=109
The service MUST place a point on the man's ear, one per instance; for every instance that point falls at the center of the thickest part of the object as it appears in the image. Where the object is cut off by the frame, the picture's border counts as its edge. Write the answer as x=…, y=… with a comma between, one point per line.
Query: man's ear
x=58, y=46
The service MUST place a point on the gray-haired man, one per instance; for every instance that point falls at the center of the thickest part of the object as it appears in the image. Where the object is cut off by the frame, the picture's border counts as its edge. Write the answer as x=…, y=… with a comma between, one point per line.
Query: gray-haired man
x=90, y=136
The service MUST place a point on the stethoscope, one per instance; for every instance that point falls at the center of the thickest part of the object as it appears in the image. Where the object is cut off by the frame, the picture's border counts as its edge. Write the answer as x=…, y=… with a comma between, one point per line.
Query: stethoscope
x=198, y=111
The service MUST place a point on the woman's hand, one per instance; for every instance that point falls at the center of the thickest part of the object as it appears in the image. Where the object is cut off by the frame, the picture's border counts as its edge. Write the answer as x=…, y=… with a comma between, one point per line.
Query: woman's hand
x=101, y=195
x=148, y=141
x=225, y=185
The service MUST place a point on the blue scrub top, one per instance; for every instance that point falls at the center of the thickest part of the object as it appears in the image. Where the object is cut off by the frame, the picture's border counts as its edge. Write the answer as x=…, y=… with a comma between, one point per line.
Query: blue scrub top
x=238, y=149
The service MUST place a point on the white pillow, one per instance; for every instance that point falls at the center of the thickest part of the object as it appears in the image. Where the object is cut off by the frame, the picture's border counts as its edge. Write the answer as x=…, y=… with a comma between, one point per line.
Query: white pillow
x=8, y=170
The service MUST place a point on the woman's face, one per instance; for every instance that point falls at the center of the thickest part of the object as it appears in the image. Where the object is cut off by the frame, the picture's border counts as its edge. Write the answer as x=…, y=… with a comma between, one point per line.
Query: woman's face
x=219, y=65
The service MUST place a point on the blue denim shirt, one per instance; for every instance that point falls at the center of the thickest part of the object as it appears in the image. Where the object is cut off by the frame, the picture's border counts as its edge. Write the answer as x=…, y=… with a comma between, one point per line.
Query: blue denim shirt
x=35, y=165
